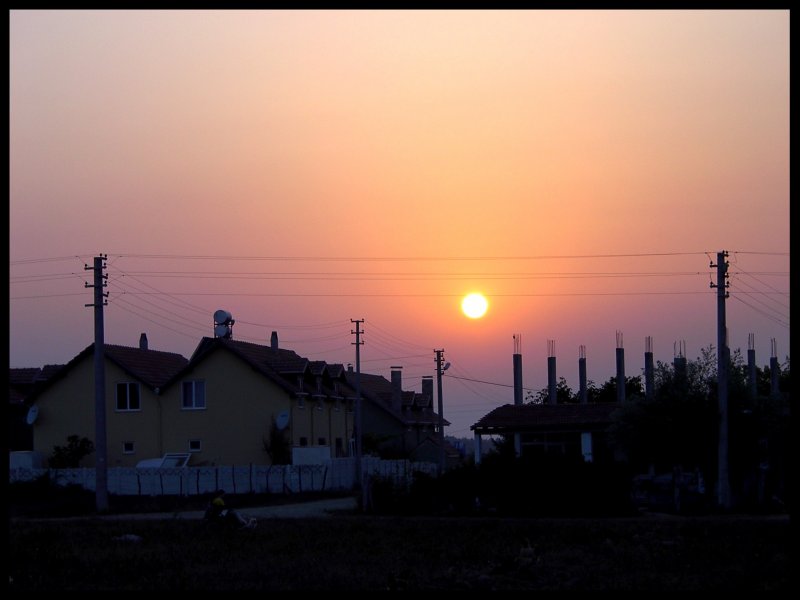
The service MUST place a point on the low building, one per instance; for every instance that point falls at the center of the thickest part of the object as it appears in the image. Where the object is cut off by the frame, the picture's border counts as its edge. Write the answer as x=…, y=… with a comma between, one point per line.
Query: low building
x=399, y=423
x=577, y=430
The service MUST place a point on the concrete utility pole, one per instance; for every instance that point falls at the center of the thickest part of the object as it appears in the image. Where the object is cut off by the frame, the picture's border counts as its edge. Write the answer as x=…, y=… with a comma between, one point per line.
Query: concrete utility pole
x=649, y=374
x=101, y=452
x=774, y=371
x=517, y=366
x=439, y=359
x=359, y=419
x=620, y=369
x=552, y=385
x=583, y=390
x=723, y=482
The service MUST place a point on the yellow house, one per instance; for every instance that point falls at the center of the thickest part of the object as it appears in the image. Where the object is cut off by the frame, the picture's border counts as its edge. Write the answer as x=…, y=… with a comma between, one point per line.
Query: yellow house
x=232, y=403
x=133, y=376
x=233, y=398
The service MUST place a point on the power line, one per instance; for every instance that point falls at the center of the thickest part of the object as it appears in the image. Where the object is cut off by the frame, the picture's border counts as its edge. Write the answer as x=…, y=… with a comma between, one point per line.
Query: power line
x=118, y=256
x=79, y=257
x=354, y=295
x=401, y=276
x=404, y=258
x=508, y=385
x=768, y=316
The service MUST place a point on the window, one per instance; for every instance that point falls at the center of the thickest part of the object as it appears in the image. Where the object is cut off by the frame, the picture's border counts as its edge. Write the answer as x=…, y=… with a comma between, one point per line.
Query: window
x=304, y=441
x=321, y=441
x=195, y=446
x=128, y=396
x=128, y=447
x=194, y=395
x=174, y=459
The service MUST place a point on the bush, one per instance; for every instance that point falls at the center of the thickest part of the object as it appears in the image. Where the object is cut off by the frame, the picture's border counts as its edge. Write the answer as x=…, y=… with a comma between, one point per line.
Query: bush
x=71, y=455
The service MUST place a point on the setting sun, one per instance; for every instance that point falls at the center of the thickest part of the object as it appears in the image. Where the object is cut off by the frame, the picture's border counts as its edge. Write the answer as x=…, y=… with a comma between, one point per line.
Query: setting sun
x=474, y=305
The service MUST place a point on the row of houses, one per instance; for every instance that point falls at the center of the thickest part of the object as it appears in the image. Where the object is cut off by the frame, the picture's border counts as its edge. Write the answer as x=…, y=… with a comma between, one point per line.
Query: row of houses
x=236, y=402
x=231, y=402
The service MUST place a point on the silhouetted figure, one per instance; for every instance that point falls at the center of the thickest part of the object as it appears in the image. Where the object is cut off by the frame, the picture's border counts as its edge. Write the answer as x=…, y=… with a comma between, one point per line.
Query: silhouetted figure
x=218, y=512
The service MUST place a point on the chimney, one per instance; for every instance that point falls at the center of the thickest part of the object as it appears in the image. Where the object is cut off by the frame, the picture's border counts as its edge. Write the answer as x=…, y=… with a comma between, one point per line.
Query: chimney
x=397, y=388
x=143, y=341
x=427, y=390
x=273, y=340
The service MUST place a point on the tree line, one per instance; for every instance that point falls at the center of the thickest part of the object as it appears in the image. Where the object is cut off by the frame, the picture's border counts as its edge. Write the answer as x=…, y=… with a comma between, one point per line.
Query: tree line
x=677, y=428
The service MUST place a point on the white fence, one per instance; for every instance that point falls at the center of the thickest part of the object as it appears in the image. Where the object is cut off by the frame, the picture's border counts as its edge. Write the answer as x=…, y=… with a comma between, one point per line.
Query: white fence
x=334, y=475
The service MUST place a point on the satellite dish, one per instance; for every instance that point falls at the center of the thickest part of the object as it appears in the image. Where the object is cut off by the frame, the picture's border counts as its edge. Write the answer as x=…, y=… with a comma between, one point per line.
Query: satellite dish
x=33, y=414
x=221, y=330
x=222, y=316
x=282, y=420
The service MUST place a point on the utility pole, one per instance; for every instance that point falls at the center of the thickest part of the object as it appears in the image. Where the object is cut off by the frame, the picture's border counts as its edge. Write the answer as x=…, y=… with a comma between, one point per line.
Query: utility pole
x=723, y=482
x=101, y=453
x=359, y=418
x=439, y=359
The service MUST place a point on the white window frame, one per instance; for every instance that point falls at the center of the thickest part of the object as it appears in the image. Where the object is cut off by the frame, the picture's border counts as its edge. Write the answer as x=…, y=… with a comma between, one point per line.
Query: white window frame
x=128, y=386
x=194, y=402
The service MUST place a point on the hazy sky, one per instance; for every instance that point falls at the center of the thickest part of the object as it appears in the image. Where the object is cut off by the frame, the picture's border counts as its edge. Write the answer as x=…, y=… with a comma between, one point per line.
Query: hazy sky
x=300, y=169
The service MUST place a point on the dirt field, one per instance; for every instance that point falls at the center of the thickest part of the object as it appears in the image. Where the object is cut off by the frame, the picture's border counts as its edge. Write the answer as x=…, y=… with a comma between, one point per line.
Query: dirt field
x=366, y=553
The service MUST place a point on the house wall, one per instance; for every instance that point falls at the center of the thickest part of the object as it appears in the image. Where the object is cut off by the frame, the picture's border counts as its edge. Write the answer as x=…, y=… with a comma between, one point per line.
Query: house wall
x=425, y=451
x=320, y=421
x=378, y=421
x=387, y=429
x=240, y=406
x=68, y=408
x=140, y=427
x=301, y=421
x=415, y=443
x=341, y=426
x=232, y=428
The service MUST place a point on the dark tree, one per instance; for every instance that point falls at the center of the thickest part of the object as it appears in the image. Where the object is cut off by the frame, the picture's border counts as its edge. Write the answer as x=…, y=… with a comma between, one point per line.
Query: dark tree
x=608, y=391
x=679, y=427
x=70, y=456
x=564, y=394
x=278, y=447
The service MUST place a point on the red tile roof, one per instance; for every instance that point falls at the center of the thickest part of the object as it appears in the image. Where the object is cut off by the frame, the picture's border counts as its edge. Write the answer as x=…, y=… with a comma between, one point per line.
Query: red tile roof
x=278, y=364
x=379, y=390
x=151, y=367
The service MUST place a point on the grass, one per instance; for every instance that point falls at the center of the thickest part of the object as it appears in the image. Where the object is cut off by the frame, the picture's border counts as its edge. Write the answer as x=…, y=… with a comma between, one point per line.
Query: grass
x=372, y=553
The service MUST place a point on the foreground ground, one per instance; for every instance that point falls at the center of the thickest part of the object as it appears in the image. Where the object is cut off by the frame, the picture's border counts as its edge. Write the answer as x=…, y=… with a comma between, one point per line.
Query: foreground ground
x=350, y=551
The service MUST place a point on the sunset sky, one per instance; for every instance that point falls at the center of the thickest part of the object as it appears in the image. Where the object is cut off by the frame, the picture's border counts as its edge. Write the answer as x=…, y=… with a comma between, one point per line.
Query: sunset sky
x=302, y=169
